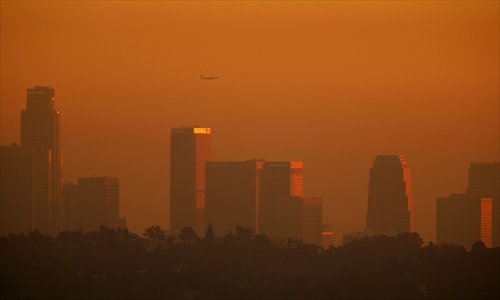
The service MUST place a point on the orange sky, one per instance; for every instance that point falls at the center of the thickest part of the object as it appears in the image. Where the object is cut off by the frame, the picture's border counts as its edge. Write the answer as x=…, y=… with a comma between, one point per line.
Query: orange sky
x=329, y=83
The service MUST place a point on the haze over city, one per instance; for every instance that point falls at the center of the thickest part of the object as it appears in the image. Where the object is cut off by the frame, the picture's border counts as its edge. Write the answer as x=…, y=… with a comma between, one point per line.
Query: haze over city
x=332, y=84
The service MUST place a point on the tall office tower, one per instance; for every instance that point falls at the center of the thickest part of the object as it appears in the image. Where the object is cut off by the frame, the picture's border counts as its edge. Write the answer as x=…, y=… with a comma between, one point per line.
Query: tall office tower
x=389, y=196
x=312, y=220
x=300, y=218
x=484, y=182
x=190, y=148
x=97, y=203
x=232, y=194
x=17, y=174
x=279, y=180
x=459, y=218
x=40, y=129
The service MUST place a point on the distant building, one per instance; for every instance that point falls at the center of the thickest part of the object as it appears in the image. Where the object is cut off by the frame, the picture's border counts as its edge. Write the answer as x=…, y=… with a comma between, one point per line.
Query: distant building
x=190, y=148
x=300, y=218
x=17, y=189
x=70, y=206
x=389, y=196
x=93, y=202
x=279, y=180
x=463, y=219
x=41, y=130
x=327, y=236
x=458, y=220
x=232, y=194
x=484, y=182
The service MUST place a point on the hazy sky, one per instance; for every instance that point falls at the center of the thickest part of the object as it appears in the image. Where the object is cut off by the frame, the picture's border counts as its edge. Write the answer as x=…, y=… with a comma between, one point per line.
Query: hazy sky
x=329, y=83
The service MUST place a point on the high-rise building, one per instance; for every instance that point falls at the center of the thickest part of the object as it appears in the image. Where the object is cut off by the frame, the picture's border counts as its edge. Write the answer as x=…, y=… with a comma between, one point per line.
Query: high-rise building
x=389, y=196
x=484, y=182
x=40, y=129
x=300, y=218
x=190, y=148
x=458, y=220
x=312, y=220
x=17, y=191
x=232, y=194
x=279, y=180
x=70, y=208
x=96, y=202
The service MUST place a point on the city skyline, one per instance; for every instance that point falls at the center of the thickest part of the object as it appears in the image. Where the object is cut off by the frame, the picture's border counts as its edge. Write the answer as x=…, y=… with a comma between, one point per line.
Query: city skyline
x=293, y=90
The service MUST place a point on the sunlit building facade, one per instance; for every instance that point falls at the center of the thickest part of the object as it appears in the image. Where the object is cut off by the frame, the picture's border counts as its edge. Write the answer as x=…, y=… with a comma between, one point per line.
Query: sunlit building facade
x=41, y=130
x=232, y=194
x=190, y=148
x=389, y=196
x=279, y=180
x=17, y=189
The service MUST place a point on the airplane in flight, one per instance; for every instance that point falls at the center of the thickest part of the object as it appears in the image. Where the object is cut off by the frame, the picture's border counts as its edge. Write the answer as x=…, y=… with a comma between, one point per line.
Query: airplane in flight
x=209, y=77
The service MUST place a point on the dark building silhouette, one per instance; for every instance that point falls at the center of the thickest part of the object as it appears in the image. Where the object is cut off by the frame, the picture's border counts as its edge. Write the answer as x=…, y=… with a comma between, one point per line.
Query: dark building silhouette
x=389, y=196
x=70, y=202
x=458, y=218
x=40, y=129
x=463, y=219
x=484, y=182
x=93, y=202
x=190, y=148
x=17, y=190
x=232, y=194
x=279, y=180
x=300, y=218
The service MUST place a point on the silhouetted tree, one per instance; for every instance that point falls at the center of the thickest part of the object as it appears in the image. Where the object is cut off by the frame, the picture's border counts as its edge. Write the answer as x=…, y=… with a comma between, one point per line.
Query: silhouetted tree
x=187, y=233
x=243, y=234
x=210, y=234
x=154, y=232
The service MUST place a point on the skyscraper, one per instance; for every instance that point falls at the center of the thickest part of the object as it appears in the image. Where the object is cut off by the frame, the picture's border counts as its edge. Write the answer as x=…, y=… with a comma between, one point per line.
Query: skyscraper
x=190, y=148
x=279, y=180
x=463, y=219
x=17, y=191
x=97, y=203
x=300, y=218
x=232, y=194
x=389, y=196
x=458, y=219
x=484, y=182
x=40, y=129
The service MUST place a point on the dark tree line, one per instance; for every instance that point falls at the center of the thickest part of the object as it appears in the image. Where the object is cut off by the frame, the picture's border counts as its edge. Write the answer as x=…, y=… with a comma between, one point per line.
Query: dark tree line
x=118, y=264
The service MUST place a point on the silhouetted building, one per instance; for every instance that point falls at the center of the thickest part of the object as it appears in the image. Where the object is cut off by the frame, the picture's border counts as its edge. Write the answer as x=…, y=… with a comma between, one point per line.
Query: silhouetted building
x=70, y=206
x=96, y=202
x=40, y=129
x=458, y=219
x=484, y=182
x=389, y=196
x=279, y=180
x=232, y=194
x=190, y=148
x=312, y=220
x=300, y=218
x=463, y=219
x=17, y=193
x=327, y=236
